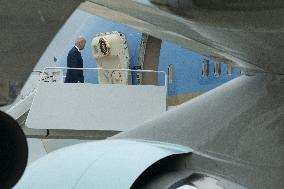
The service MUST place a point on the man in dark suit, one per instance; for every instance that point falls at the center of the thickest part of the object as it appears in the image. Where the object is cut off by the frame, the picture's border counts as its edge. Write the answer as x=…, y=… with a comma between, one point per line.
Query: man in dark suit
x=74, y=60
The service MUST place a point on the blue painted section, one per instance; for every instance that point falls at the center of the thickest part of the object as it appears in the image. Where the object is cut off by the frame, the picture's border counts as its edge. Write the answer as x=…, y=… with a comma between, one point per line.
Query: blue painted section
x=188, y=70
x=187, y=64
x=92, y=165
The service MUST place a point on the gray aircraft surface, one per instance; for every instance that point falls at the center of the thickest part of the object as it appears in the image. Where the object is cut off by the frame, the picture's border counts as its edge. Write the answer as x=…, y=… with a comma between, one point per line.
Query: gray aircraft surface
x=230, y=137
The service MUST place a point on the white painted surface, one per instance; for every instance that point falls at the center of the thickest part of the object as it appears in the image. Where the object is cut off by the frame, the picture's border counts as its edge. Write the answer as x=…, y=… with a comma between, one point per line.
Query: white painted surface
x=118, y=57
x=51, y=145
x=24, y=100
x=36, y=150
x=41, y=147
x=95, y=107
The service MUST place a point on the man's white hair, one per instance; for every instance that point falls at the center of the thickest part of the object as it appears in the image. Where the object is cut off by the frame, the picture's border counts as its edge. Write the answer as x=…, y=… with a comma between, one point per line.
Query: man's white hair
x=79, y=39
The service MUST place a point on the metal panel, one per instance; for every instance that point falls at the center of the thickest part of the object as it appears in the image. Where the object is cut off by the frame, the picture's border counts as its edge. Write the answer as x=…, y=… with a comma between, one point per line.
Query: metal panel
x=95, y=107
x=238, y=127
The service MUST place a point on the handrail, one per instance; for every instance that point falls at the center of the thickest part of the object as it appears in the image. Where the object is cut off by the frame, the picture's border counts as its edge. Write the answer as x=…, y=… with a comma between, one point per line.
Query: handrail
x=47, y=68
x=131, y=70
x=39, y=71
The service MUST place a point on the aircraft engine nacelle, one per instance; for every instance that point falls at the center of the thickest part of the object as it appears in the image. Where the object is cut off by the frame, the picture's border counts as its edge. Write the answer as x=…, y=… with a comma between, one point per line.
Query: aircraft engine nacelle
x=111, y=52
x=107, y=164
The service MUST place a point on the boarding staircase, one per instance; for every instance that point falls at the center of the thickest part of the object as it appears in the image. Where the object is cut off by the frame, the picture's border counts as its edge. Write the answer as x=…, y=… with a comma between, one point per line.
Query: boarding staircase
x=51, y=107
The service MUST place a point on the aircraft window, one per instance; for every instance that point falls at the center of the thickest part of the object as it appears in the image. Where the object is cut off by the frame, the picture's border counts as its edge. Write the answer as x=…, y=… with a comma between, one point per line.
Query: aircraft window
x=230, y=69
x=205, y=68
x=171, y=73
x=217, y=69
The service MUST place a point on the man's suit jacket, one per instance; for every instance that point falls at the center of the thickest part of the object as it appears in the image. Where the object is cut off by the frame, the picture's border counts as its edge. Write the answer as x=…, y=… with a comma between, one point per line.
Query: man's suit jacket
x=74, y=60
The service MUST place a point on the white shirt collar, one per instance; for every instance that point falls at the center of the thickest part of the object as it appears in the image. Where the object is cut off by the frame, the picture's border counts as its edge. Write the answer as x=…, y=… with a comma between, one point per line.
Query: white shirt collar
x=77, y=48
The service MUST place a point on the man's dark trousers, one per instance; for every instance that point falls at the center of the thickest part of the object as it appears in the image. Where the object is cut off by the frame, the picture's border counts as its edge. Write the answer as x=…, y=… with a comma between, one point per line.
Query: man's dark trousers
x=74, y=60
